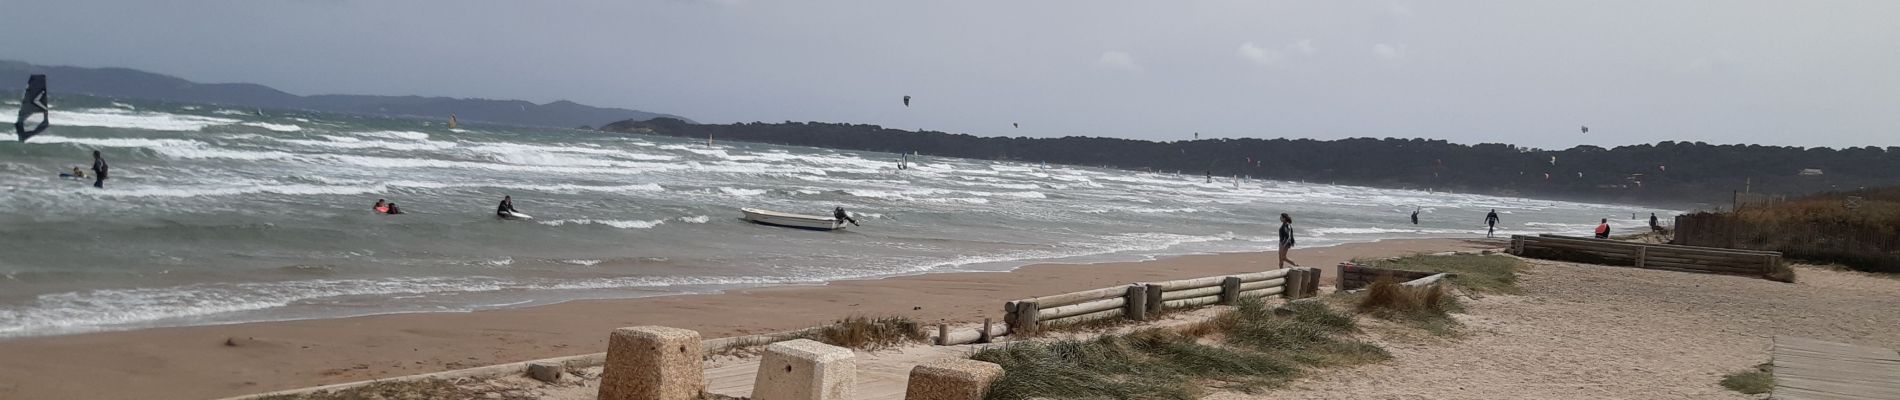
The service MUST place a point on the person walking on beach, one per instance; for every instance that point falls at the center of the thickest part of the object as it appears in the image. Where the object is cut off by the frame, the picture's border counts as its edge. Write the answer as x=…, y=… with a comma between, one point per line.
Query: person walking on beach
x=1491, y=221
x=1286, y=240
x=1603, y=230
x=1654, y=224
x=98, y=170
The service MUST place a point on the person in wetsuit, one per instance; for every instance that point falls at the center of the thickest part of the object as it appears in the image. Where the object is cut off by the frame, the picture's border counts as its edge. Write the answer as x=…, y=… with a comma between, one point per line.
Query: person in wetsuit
x=1491, y=221
x=1654, y=224
x=1415, y=217
x=98, y=170
x=1286, y=240
x=507, y=207
x=839, y=214
x=393, y=210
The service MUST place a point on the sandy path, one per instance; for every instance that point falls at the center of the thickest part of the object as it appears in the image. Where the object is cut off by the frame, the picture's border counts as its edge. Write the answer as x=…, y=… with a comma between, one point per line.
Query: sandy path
x=1593, y=332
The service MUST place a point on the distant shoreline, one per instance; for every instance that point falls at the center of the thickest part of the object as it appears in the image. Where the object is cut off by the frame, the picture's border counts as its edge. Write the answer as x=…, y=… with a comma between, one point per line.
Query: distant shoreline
x=194, y=362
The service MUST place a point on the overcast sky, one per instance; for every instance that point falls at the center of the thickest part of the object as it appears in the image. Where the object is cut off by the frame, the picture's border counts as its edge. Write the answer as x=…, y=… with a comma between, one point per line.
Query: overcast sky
x=1808, y=73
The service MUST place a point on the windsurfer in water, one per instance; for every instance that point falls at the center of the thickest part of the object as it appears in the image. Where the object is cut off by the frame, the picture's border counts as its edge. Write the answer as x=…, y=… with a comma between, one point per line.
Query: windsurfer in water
x=839, y=214
x=507, y=207
x=98, y=170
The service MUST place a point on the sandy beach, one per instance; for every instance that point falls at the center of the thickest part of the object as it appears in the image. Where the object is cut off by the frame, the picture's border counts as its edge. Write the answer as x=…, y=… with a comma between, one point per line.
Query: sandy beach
x=196, y=362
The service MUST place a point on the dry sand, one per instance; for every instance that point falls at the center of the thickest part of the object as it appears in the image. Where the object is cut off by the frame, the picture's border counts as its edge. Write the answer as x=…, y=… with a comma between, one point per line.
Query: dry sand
x=195, y=363
x=1595, y=332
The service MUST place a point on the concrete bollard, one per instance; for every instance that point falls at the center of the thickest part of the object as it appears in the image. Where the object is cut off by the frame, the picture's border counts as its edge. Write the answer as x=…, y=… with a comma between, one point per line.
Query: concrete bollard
x=652, y=363
x=1137, y=307
x=1295, y=284
x=1313, y=276
x=805, y=369
x=952, y=379
x=1154, y=298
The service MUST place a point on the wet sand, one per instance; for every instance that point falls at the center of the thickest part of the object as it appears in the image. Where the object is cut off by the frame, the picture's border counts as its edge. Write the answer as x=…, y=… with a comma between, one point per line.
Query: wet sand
x=197, y=363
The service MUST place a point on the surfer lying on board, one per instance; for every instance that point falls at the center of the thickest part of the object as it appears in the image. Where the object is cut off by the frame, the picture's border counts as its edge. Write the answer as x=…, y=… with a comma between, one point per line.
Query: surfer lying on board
x=839, y=214
x=381, y=207
x=507, y=207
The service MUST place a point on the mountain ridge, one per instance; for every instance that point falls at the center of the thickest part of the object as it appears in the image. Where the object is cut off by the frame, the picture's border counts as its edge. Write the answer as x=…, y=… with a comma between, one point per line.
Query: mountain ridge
x=138, y=84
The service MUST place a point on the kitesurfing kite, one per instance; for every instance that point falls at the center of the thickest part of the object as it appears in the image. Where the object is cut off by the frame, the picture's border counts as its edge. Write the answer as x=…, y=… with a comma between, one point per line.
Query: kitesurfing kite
x=32, y=119
x=1586, y=129
x=1017, y=125
x=907, y=101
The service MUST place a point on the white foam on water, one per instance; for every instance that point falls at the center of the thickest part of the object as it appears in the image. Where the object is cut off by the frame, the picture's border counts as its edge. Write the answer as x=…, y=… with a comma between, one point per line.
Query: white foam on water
x=346, y=142
x=622, y=224
x=274, y=127
x=124, y=106
x=137, y=191
x=128, y=119
x=404, y=135
x=231, y=112
x=580, y=262
x=741, y=192
x=698, y=219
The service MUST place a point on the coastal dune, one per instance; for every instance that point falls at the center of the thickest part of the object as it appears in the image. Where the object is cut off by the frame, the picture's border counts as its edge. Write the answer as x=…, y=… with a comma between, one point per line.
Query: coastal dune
x=224, y=360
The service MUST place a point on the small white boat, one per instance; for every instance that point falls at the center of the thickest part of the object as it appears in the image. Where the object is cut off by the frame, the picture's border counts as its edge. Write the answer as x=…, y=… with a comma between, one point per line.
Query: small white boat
x=790, y=220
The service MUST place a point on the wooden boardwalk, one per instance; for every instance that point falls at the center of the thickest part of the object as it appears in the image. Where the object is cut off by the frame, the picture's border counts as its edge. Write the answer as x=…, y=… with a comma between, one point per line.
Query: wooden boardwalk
x=1813, y=369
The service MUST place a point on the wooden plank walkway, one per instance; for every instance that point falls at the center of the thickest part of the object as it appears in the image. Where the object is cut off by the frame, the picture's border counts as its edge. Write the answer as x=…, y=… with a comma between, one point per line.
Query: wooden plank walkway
x=1813, y=369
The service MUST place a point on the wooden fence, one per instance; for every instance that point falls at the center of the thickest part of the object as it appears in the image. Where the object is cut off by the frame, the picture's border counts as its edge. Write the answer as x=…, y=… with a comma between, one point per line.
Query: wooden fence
x=1862, y=246
x=1709, y=260
x=1354, y=276
x=1135, y=301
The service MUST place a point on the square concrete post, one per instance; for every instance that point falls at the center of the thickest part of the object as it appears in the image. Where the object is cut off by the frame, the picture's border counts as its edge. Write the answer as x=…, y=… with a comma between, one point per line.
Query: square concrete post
x=952, y=379
x=652, y=363
x=1137, y=303
x=1230, y=290
x=1313, y=276
x=805, y=369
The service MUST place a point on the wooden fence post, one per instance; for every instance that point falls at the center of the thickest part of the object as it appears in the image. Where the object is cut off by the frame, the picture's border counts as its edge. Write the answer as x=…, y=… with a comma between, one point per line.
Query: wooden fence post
x=1154, y=298
x=1230, y=290
x=1642, y=257
x=1294, y=283
x=1025, y=322
x=1136, y=308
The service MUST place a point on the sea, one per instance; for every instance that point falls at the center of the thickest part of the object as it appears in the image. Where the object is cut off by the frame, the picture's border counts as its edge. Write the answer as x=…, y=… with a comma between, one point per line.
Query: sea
x=218, y=215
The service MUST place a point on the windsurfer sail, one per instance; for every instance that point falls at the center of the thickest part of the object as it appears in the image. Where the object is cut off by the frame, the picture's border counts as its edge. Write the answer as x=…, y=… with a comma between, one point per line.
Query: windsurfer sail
x=32, y=109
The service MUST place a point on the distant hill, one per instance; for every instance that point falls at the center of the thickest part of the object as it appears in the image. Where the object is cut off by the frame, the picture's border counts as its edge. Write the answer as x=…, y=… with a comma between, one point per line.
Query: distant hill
x=1669, y=173
x=131, y=83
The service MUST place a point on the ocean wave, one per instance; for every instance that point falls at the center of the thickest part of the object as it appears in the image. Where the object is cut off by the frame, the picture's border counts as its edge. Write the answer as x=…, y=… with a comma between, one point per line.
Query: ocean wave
x=741, y=192
x=404, y=135
x=135, y=191
x=345, y=142
x=98, y=309
x=622, y=224
x=697, y=219
x=127, y=119
x=274, y=127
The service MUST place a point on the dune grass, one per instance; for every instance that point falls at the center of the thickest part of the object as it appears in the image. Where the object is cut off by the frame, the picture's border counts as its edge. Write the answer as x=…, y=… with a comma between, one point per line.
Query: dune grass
x=1246, y=349
x=1489, y=273
x=856, y=332
x=1427, y=308
x=1757, y=381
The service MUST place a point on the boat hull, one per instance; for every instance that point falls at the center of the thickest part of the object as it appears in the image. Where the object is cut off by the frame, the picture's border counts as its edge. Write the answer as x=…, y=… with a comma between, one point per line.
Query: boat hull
x=788, y=220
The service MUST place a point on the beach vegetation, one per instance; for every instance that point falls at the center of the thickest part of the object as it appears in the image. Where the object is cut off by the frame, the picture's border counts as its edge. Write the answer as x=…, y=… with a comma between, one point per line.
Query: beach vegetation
x=1424, y=307
x=1486, y=273
x=855, y=332
x=1857, y=229
x=1247, y=349
x=1759, y=380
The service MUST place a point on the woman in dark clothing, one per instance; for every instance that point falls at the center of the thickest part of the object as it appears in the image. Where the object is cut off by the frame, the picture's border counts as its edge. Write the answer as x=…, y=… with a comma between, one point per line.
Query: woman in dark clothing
x=1286, y=239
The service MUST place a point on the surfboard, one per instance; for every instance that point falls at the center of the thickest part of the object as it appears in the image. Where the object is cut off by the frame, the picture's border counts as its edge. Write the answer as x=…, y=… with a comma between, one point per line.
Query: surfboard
x=515, y=216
